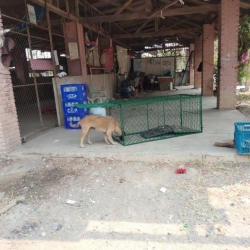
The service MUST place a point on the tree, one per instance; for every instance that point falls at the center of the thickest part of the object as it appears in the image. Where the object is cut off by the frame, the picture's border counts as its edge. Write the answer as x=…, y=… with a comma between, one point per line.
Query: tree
x=243, y=51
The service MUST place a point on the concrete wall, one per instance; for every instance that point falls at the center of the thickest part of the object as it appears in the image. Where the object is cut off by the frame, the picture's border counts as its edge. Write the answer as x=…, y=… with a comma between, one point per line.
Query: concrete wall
x=105, y=82
x=9, y=129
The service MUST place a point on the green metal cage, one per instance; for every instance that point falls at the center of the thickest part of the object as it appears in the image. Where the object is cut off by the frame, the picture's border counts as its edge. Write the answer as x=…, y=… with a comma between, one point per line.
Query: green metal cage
x=155, y=118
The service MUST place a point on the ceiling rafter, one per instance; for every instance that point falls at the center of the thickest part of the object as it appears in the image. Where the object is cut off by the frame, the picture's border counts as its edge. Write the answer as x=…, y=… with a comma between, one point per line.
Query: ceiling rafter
x=198, y=2
x=98, y=11
x=165, y=13
x=151, y=34
x=123, y=7
x=132, y=9
x=148, y=6
x=143, y=25
x=162, y=8
x=178, y=21
x=136, y=9
x=156, y=24
x=71, y=17
x=161, y=29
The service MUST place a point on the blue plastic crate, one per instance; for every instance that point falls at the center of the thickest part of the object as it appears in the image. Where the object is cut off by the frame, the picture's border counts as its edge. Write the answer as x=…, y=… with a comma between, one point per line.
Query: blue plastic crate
x=72, y=118
x=74, y=91
x=242, y=137
x=69, y=107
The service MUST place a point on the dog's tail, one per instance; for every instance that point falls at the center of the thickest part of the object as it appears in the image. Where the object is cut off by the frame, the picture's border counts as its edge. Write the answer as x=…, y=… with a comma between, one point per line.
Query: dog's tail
x=74, y=125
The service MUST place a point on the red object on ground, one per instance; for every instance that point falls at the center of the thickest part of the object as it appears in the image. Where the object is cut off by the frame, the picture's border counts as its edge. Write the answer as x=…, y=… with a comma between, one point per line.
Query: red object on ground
x=181, y=171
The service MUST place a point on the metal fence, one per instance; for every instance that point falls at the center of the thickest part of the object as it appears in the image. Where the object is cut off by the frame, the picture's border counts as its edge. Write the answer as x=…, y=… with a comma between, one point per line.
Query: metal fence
x=157, y=118
x=32, y=87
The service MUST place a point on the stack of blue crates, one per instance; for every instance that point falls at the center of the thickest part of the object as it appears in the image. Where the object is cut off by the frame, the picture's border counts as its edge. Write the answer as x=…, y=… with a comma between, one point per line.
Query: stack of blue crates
x=242, y=137
x=74, y=94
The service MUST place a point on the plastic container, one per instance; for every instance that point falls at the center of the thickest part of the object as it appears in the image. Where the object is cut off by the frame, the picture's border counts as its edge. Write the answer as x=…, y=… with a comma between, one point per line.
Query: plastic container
x=242, y=137
x=72, y=118
x=74, y=91
x=69, y=107
x=97, y=111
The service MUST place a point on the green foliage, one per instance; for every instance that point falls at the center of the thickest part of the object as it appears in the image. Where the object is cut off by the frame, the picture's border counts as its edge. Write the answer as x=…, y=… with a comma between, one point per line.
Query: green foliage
x=243, y=49
x=216, y=70
x=244, y=37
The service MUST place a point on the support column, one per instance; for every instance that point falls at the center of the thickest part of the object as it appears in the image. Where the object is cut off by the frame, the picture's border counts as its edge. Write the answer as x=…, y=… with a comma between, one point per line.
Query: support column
x=228, y=53
x=191, y=64
x=197, y=61
x=9, y=128
x=73, y=32
x=208, y=59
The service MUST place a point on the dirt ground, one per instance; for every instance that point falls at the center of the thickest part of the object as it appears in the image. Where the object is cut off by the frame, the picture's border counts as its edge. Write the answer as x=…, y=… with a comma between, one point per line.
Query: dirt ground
x=65, y=203
x=78, y=203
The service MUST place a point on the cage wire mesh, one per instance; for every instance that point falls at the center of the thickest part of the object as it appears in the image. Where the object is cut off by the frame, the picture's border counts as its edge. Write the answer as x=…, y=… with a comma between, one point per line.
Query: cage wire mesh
x=33, y=88
x=157, y=118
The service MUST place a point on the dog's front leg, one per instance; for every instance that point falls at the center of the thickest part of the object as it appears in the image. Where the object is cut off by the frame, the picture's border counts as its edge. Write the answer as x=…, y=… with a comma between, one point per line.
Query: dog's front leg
x=106, y=138
x=109, y=135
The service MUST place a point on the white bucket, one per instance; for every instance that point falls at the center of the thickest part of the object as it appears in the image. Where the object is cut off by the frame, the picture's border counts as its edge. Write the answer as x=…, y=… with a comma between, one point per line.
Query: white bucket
x=97, y=111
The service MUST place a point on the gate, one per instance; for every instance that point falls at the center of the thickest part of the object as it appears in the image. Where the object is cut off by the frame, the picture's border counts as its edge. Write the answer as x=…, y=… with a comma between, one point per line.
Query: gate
x=32, y=69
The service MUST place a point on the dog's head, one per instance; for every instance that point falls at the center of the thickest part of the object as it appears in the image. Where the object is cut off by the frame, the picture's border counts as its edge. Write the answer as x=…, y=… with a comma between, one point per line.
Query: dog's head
x=118, y=129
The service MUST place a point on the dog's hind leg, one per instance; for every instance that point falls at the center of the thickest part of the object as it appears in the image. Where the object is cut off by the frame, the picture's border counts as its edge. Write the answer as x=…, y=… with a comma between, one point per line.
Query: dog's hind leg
x=83, y=134
x=87, y=136
x=106, y=138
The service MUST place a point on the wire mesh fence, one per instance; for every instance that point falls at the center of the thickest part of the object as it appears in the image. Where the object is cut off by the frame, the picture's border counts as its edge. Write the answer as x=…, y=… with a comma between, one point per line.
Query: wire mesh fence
x=32, y=86
x=157, y=118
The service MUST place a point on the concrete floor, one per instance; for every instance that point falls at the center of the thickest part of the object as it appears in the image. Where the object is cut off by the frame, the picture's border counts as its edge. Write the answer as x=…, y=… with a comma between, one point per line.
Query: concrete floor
x=218, y=125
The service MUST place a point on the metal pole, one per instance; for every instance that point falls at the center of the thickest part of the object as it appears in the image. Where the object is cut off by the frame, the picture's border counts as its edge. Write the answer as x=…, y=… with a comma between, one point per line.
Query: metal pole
x=34, y=76
x=53, y=59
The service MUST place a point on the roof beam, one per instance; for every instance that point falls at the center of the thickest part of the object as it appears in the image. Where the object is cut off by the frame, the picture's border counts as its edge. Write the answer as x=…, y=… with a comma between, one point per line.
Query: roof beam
x=144, y=24
x=165, y=6
x=152, y=34
x=135, y=9
x=148, y=40
x=123, y=7
x=71, y=17
x=148, y=6
x=112, y=2
x=156, y=24
x=101, y=13
x=244, y=5
x=164, y=13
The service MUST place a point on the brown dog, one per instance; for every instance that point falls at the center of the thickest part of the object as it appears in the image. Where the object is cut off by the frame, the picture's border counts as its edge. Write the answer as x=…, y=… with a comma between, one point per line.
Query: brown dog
x=105, y=124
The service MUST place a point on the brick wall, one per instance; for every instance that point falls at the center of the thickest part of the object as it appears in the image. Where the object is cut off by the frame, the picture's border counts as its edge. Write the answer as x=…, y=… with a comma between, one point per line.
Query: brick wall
x=207, y=59
x=228, y=50
x=9, y=129
x=191, y=65
x=197, y=60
